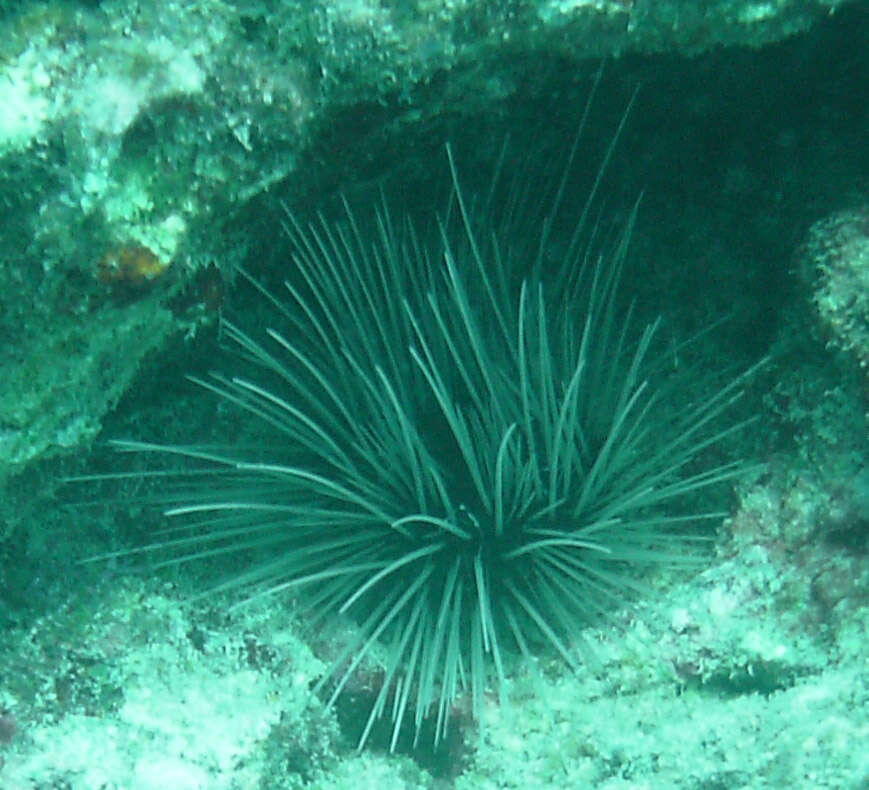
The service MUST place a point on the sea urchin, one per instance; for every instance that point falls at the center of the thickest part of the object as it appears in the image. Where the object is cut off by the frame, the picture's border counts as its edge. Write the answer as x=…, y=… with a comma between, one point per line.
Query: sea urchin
x=470, y=453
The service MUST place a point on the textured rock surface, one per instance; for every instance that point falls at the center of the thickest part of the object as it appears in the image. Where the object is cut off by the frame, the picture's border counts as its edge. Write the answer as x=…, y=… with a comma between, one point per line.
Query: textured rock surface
x=836, y=261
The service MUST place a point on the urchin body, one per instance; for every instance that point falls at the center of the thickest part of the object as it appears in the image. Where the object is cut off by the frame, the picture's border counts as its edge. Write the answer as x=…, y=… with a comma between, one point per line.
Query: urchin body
x=468, y=456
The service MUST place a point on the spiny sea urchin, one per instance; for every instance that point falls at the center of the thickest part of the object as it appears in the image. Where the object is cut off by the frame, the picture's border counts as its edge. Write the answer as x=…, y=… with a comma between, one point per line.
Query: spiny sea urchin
x=469, y=452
